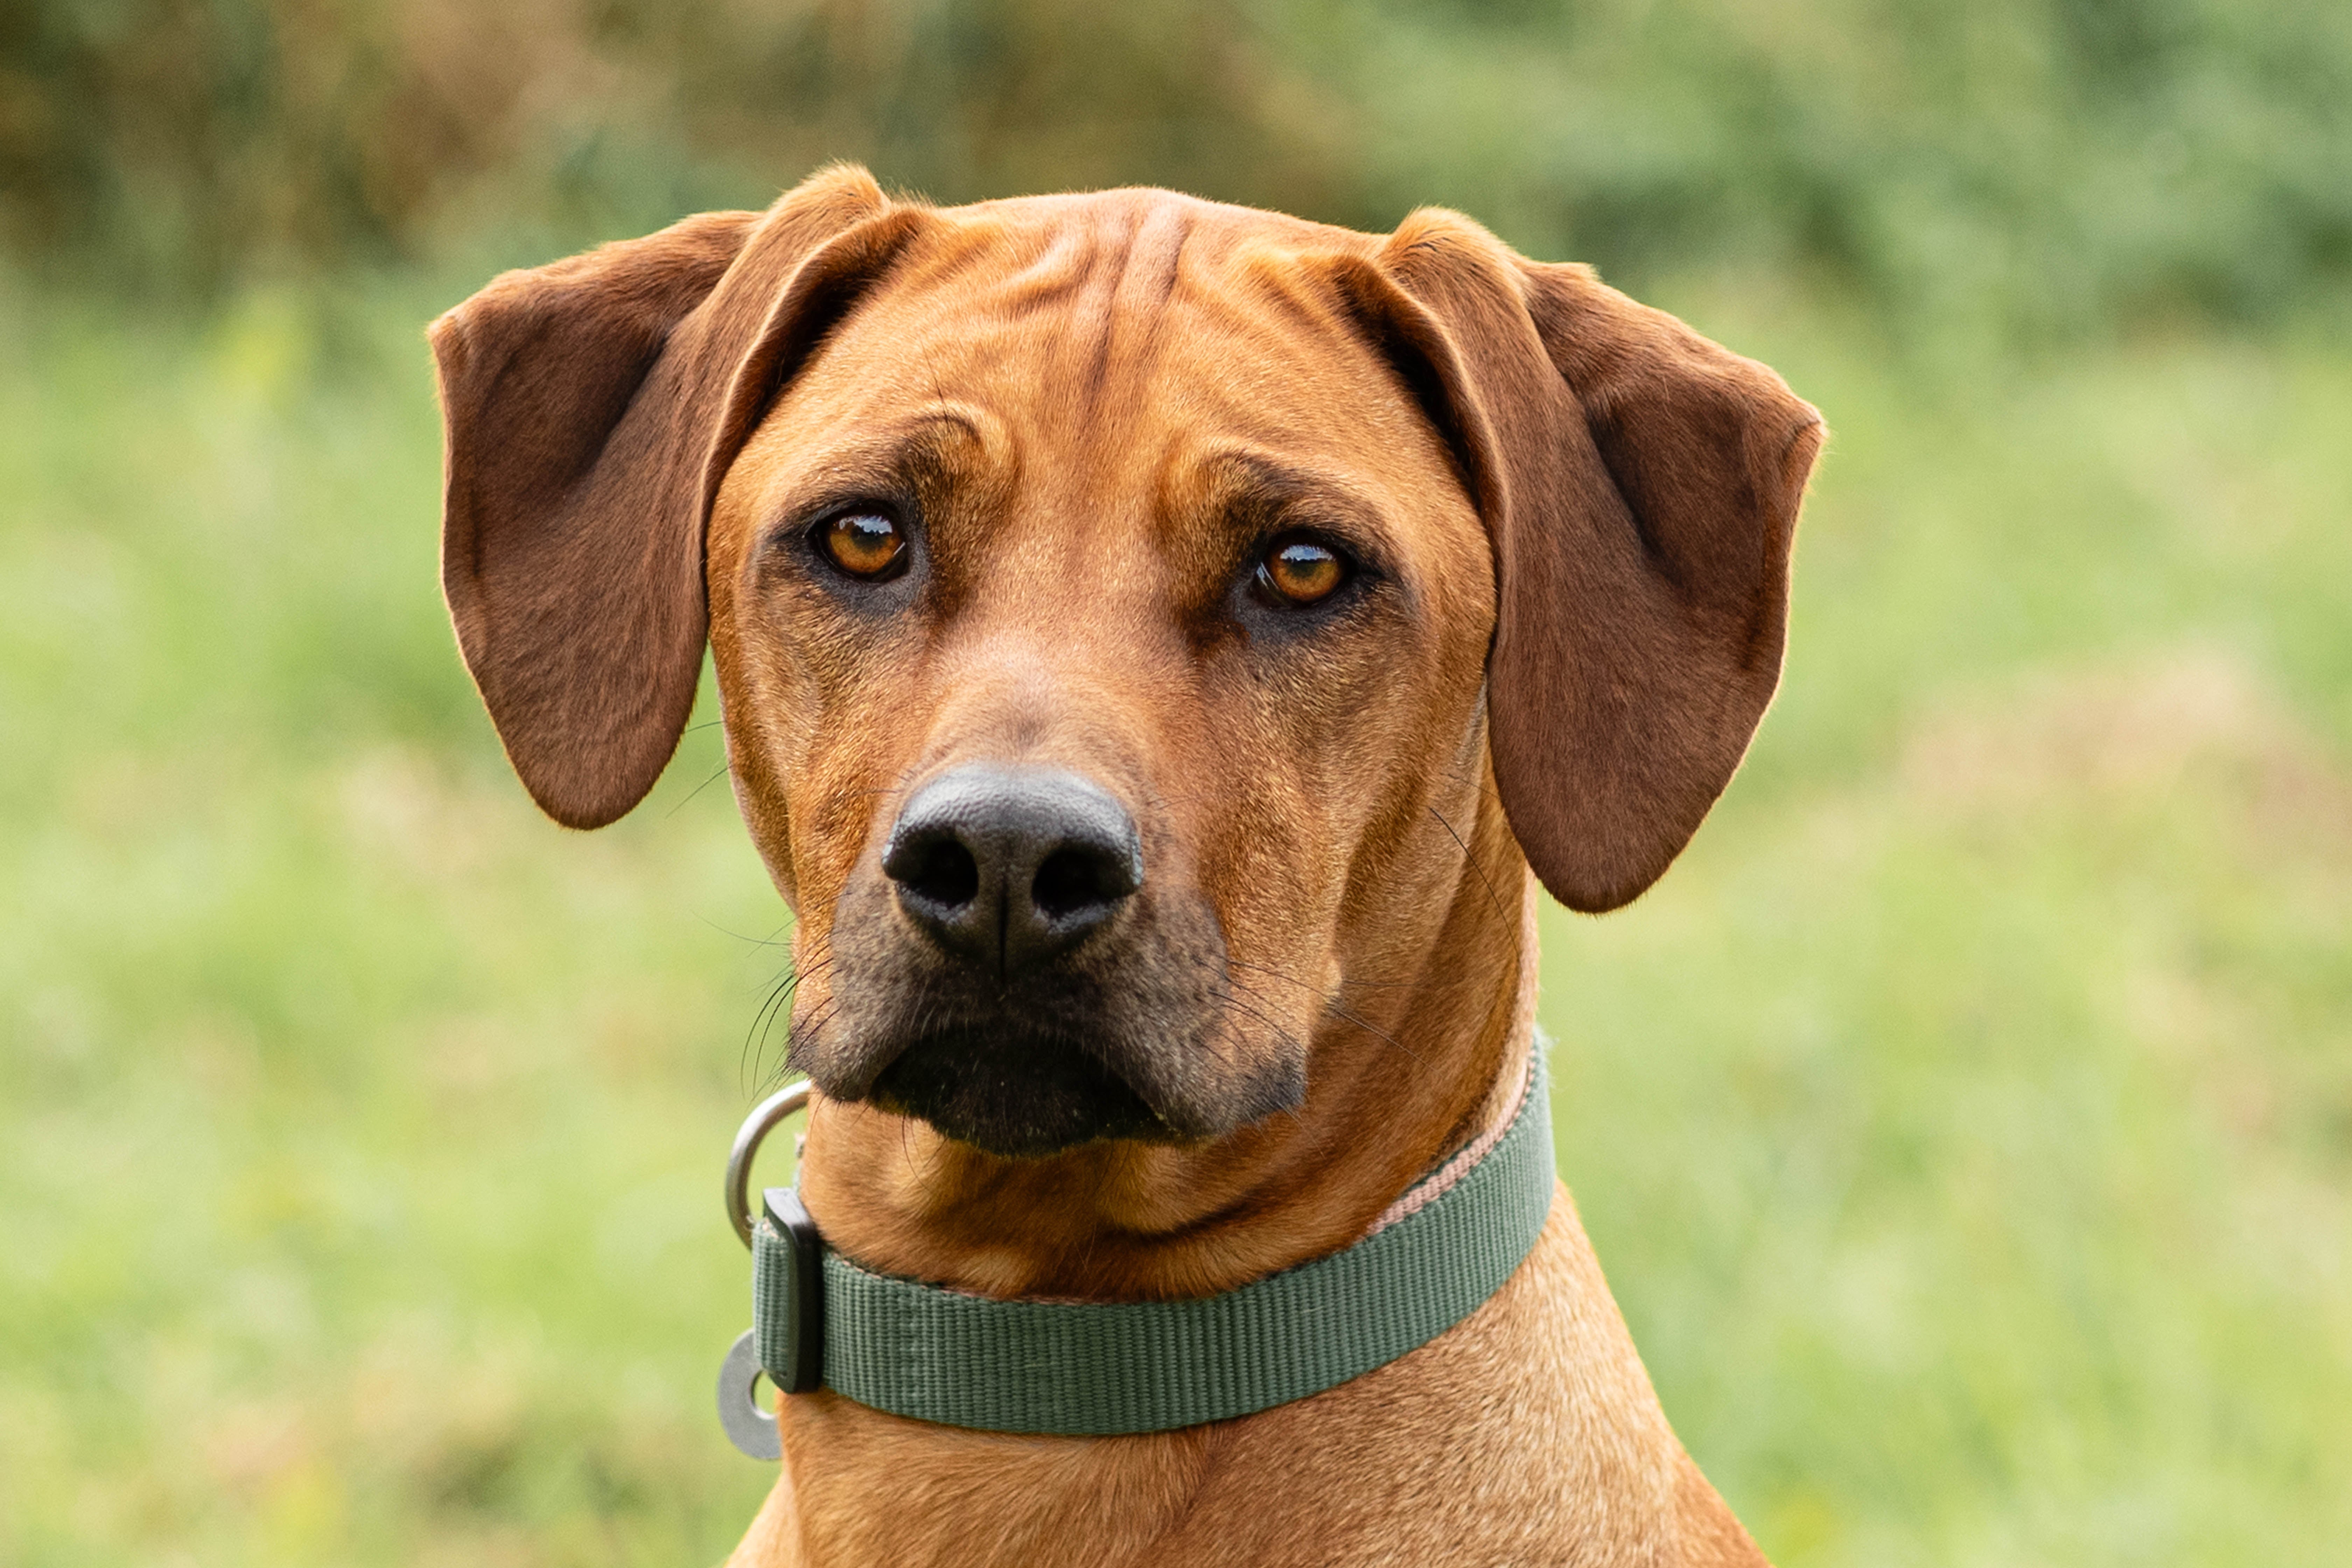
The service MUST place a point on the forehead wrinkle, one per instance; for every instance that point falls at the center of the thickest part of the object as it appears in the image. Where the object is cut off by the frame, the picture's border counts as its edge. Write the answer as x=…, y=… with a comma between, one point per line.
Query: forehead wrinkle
x=1051, y=267
x=1143, y=285
x=1107, y=342
x=1114, y=267
x=1085, y=291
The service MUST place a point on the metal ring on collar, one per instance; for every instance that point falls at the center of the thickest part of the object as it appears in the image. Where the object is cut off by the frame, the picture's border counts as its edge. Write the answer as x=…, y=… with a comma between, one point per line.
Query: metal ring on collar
x=748, y=1138
x=751, y=1429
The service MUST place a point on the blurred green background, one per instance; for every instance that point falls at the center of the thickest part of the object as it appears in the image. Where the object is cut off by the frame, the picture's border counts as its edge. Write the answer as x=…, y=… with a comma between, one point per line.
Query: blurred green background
x=1966, y=1122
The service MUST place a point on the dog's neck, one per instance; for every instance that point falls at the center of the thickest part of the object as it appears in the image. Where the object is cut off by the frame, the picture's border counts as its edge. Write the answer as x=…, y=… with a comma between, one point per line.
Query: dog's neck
x=1402, y=1073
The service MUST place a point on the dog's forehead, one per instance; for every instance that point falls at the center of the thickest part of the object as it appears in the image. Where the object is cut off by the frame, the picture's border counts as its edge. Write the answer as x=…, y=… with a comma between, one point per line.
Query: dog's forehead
x=1102, y=251
x=1117, y=320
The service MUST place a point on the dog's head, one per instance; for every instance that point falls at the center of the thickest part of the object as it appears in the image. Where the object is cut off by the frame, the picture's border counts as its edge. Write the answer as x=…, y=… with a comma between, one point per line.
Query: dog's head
x=1122, y=605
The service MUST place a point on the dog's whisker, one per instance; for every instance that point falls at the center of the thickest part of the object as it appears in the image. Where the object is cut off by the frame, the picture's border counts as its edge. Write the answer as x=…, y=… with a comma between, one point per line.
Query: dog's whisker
x=1496, y=897
x=697, y=790
x=779, y=999
x=1329, y=1002
x=1370, y=1028
x=1350, y=983
x=768, y=941
x=804, y=1028
x=778, y=991
x=758, y=1073
x=1463, y=776
x=1229, y=1000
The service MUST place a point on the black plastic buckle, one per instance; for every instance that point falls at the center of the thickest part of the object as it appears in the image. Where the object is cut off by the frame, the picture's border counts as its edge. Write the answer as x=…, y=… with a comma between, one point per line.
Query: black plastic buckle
x=804, y=1305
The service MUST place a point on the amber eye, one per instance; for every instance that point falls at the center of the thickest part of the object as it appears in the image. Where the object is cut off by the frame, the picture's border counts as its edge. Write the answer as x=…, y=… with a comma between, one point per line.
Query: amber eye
x=1301, y=572
x=863, y=543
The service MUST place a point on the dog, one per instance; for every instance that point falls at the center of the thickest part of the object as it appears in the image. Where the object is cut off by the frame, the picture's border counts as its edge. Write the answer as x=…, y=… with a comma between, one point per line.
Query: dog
x=1162, y=647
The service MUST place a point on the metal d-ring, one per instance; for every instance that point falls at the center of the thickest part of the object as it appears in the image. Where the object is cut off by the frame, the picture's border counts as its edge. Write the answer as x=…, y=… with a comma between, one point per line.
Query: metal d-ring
x=748, y=1138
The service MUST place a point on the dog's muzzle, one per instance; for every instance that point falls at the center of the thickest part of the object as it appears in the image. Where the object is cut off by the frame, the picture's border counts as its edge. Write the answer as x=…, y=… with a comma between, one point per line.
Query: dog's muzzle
x=1003, y=970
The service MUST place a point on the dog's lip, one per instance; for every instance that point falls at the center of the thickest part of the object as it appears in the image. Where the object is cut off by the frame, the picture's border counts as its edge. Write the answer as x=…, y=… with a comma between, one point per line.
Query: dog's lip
x=1013, y=1091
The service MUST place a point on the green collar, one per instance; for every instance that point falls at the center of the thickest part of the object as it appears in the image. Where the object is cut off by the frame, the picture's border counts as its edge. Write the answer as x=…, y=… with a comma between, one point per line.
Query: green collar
x=1089, y=1368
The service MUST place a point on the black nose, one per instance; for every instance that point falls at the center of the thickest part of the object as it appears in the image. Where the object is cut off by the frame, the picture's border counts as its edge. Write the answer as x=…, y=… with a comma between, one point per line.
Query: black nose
x=1011, y=867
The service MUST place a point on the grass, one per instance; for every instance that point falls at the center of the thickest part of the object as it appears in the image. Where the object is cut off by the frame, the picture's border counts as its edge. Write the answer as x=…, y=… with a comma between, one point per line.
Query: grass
x=1965, y=1123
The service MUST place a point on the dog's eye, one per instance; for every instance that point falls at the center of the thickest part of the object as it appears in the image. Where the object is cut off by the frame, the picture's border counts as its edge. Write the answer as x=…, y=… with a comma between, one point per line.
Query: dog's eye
x=1301, y=572
x=866, y=544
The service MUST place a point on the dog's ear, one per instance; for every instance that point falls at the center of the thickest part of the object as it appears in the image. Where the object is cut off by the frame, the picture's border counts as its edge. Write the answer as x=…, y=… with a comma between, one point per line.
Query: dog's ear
x=592, y=408
x=1639, y=488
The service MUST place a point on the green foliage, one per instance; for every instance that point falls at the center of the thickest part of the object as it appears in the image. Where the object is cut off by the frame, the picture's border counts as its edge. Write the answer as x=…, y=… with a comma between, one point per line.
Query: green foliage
x=2039, y=165
x=1965, y=1123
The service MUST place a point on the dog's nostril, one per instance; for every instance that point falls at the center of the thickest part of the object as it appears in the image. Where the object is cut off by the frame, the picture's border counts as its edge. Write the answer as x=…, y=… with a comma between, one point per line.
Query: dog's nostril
x=941, y=872
x=1012, y=867
x=1074, y=880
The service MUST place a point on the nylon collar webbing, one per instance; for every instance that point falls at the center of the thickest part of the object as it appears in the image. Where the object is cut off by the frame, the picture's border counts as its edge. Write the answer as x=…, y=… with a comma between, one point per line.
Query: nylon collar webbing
x=1086, y=1368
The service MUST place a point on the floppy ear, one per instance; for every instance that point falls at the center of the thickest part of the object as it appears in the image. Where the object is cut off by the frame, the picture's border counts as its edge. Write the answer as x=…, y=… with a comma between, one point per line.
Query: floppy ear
x=1639, y=488
x=590, y=410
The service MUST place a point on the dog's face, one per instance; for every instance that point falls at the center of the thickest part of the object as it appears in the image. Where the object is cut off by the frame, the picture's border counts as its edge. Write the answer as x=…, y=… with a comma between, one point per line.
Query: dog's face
x=1099, y=625
x=1121, y=606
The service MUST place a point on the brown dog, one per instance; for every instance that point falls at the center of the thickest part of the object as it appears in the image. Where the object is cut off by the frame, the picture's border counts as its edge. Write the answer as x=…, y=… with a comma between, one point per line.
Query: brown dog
x=1157, y=640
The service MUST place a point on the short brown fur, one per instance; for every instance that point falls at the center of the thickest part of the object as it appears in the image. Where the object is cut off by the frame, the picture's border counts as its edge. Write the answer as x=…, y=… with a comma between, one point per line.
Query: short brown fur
x=1581, y=515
